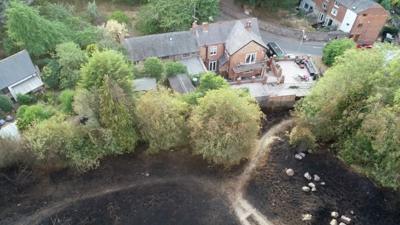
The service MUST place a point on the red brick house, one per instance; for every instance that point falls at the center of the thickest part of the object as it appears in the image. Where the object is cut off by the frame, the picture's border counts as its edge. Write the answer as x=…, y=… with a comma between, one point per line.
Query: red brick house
x=233, y=49
x=363, y=20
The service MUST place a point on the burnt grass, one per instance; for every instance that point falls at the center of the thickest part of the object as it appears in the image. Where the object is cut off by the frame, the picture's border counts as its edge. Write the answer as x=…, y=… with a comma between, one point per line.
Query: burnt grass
x=184, y=195
x=282, y=200
x=168, y=204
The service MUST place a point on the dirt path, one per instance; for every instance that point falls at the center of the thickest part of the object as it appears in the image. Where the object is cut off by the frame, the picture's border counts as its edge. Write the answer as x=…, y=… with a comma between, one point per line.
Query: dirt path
x=248, y=214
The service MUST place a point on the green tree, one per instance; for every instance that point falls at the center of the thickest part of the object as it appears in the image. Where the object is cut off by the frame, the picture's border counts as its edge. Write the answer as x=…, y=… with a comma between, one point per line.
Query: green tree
x=116, y=114
x=162, y=120
x=164, y=15
x=335, y=49
x=70, y=59
x=120, y=17
x=356, y=99
x=174, y=68
x=26, y=99
x=56, y=141
x=51, y=74
x=5, y=104
x=153, y=67
x=27, y=29
x=109, y=63
x=66, y=99
x=28, y=115
x=272, y=4
x=211, y=81
x=224, y=126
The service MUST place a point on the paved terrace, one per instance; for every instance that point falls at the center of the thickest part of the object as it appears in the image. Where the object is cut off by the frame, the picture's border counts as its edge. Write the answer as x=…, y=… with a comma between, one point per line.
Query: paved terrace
x=293, y=85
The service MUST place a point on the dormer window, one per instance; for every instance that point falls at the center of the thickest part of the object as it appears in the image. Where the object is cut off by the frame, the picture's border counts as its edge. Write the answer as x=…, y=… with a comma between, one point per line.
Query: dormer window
x=336, y=4
x=213, y=50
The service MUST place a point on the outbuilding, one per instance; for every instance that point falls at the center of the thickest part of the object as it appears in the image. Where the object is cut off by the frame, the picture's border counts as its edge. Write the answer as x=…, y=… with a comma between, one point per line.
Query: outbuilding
x=18, y=75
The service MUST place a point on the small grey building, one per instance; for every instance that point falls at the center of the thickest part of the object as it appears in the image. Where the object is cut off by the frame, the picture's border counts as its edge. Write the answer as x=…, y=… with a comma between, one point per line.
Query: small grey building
x=18, y=75
x=144, y=84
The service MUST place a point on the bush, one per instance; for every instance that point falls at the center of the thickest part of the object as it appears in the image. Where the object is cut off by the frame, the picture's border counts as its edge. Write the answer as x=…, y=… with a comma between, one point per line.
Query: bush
x=174, y=68
x=27, y=115
x=302, y=137
x=224, y=126
x=335, y=49
x=11, y=152
x=162, y=120
x=26, y=99
x=56, y=141
x=66, y=98
x=5, y=104
x=120, y=17
x=153, y=67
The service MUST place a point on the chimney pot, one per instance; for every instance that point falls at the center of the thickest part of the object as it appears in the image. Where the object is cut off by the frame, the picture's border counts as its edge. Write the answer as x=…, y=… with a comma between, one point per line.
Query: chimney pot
x=205, y=26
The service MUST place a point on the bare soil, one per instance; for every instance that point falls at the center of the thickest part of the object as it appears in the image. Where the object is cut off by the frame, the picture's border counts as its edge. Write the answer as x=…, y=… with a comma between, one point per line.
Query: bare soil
x=282, y=200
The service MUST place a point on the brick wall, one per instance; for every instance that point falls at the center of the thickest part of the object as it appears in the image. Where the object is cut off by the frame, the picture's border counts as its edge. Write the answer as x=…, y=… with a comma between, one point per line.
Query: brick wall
x=240, y=56
x=368, y=25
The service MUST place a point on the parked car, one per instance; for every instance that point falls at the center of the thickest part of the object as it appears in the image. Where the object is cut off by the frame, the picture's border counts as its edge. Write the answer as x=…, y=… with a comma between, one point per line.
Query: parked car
x=275, y=49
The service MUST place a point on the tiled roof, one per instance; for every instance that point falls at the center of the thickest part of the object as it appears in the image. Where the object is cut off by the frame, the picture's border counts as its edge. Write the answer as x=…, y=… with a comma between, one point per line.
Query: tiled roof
x=15, y=68
x=161, y=45
x=359, y=5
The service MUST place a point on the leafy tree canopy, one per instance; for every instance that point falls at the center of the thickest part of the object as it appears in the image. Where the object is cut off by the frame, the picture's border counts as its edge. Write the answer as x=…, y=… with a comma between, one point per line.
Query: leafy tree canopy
x=162, y=120
x=110, y=63
x=164, y=15
x=335, y=49
x=357, y=100
x=153, y=67
x=224, y=126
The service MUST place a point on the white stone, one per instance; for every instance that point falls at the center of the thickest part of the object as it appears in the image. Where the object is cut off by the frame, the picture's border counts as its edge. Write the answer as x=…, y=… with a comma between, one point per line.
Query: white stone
x=334, y=214
x=323, y=183
x=298, y=157
x=302, y=154
x=313, y=189
x=307, y=176
x=333, y=222
x=316, y=178
x=345, y=219
x=306, y=189
x=311, y=185
x=306, y=217
x=289, y=172
x=341, y=223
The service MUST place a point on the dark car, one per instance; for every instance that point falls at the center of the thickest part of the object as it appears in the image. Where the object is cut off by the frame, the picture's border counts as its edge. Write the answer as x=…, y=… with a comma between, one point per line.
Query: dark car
x=275, y=49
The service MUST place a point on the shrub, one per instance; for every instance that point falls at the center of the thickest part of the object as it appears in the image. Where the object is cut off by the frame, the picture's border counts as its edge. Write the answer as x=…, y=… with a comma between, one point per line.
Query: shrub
x=224, y=126
x=174, y=68
x=120, y=16
x=162, y=120
x=5, y=104
x=27, y=115
x=66, y=99
x=26, y=99
x=335, y=49
x=56, y=141
x=302, y=137
x=153, y=67
x=11, y=152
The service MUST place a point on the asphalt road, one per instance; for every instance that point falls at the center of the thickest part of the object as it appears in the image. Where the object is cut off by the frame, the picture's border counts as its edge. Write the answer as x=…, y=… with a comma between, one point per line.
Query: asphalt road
x=293, y=46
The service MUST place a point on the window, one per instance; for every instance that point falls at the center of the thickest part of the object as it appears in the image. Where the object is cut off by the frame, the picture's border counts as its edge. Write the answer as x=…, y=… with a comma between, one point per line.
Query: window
x=360, y=25
x=321, y=17
x=336, y=4
x=334, y=12
x=213, y=50
x=365, y=14
x=324, y=5
x=212, y=66
x=306, y=5
x=250, y=58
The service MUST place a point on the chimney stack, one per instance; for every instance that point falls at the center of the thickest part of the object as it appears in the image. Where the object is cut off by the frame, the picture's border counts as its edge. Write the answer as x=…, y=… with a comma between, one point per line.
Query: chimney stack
x=205, y=26
x=248, y=25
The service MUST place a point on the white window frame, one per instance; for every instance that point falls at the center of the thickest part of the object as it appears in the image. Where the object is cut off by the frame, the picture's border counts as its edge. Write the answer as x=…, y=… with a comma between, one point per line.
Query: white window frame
x=334, y=11
x=212, y=66
x=213, y=50
x=336, y=4
x=250, y=58
x=324, y=5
